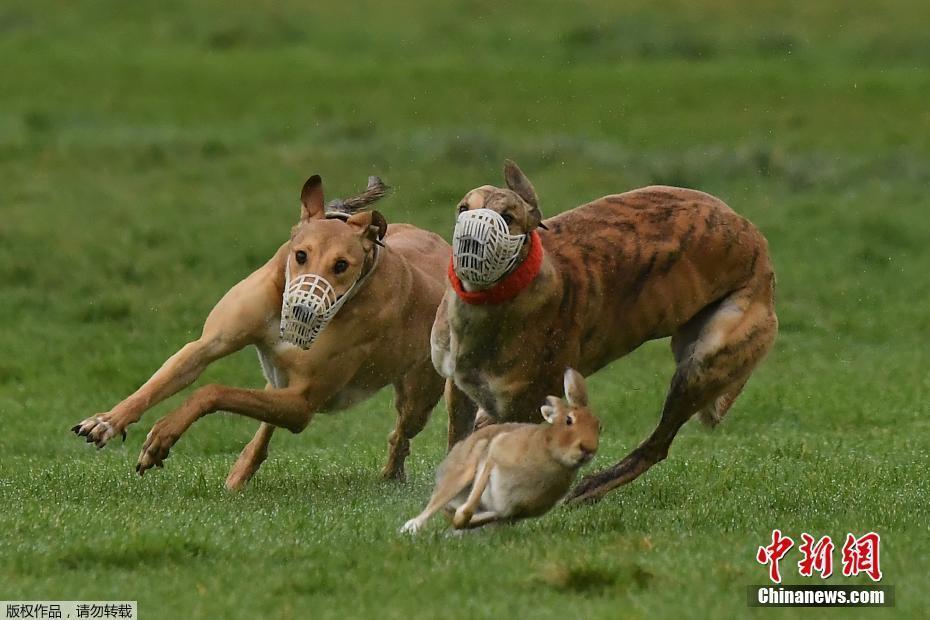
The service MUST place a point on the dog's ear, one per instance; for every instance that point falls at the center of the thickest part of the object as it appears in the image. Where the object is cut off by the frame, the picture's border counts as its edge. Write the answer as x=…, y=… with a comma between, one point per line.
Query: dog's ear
x=521, y=186
x=370, y=224
x=311, y=199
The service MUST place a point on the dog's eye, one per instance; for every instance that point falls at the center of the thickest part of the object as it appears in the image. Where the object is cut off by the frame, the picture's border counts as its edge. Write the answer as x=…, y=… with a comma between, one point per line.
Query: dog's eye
x=301, y=257
x=508, y=219
x=463, y=208
x=341, y=265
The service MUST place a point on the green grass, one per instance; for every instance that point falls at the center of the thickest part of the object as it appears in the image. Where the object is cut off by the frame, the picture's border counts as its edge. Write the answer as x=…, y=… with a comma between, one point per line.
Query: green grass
x=150, y=157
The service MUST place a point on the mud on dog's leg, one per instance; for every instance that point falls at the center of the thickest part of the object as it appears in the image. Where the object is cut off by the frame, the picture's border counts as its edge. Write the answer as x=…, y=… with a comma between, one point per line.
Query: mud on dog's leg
x=414, y=398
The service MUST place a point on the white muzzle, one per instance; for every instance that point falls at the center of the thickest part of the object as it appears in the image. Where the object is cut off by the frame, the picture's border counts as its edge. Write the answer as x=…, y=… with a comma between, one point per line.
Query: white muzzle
x=483, y=250
x=310, y=303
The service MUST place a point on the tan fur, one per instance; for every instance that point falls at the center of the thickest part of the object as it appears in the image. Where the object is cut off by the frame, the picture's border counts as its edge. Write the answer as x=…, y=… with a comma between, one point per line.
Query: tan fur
x=380, y=337
x=506, y=472
x=618, y=271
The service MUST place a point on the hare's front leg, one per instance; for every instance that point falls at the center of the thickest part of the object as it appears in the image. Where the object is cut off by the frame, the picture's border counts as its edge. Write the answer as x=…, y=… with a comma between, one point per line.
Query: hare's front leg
x=447, y=488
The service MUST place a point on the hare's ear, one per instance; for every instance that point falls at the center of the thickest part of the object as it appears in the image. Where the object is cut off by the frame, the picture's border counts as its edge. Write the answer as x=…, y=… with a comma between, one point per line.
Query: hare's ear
x=576, y=392
x=550, y=411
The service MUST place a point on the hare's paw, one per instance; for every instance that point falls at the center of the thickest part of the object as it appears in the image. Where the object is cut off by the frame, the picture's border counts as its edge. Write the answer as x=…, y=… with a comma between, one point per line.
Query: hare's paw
x=462, y=517
x=412, y=526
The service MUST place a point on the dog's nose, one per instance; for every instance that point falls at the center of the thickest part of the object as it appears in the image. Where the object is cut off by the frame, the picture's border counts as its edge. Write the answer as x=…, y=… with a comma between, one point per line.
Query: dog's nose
x=303, y=313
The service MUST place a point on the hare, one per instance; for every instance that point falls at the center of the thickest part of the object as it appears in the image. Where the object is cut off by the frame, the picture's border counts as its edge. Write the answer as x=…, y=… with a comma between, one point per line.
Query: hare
x=506, y=472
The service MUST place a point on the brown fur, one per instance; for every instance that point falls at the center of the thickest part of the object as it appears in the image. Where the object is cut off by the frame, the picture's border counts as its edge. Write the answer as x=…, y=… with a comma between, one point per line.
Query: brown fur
x=618, y=271
x=506, y=472
x=380, y=337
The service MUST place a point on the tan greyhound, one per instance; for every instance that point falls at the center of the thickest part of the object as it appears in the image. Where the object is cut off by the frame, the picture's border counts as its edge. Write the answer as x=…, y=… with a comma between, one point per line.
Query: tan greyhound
x=390, y=280
x=591, y=286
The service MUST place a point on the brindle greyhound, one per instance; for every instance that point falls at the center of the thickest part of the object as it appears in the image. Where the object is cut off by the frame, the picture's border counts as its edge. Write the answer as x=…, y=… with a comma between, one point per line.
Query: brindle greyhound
x=593, y=285
x=379, y=337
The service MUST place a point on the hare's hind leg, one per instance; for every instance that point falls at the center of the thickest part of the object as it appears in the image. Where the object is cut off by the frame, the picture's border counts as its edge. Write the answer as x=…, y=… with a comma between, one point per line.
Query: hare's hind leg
x=464, y=513
x=716, y=352
x=414, y=397
x=455, y=479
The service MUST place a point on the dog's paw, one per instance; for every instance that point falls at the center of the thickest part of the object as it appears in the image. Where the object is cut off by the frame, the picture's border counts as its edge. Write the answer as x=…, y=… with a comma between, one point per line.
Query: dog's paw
x=157, y=445
x=412, y=526
x=100, y=429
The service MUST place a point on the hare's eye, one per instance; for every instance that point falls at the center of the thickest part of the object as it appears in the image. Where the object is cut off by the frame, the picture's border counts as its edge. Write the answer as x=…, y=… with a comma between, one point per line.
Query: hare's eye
x=341, y=265
x=508, y=219
x=569, y=420
x=301, y=257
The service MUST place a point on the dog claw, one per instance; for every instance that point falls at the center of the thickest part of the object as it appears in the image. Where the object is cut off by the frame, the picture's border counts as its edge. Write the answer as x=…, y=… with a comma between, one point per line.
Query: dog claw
x=76, y=429
x=124, y=435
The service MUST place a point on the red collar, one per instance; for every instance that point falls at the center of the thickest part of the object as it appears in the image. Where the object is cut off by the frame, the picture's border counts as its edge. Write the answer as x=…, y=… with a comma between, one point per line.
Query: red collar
x=510, y=286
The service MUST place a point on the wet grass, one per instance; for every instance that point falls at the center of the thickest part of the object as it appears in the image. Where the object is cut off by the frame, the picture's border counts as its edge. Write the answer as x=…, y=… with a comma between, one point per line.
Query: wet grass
x=151, y=158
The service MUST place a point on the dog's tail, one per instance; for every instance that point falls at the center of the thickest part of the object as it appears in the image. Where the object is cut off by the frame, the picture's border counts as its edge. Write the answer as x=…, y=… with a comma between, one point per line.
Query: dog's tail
x=344, y=207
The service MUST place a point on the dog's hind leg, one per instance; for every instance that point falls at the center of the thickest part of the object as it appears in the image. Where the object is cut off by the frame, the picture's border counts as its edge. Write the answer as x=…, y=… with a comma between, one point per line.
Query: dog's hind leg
x=716, y=354
x=256, y=451
x=251, y=458
x=684, y=343
x=414, y=397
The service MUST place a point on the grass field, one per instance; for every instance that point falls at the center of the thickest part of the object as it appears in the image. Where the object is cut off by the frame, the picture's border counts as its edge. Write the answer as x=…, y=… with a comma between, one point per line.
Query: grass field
x=151, y=155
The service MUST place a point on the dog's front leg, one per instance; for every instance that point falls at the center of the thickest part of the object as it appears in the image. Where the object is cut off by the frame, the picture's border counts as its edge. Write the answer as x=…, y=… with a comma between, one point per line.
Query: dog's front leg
x=290, y=408
x=178, y=372
x=232, y=324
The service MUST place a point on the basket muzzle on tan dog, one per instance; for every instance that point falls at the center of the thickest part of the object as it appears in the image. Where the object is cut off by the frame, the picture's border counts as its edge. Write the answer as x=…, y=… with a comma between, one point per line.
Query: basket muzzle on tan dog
x=310, y=303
